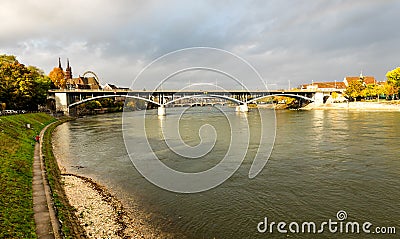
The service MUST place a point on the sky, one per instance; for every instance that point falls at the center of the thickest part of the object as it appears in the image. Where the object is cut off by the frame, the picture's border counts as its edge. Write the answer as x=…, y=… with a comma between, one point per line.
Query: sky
x=288, y=42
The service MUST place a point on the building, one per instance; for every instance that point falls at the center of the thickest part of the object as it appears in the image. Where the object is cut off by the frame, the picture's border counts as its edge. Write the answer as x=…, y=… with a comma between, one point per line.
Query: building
x=80, y=82
x=340, y=86
x=89, y=83
x=110, y=87
x=68, y=71
x=325, y=86
x=367, y=80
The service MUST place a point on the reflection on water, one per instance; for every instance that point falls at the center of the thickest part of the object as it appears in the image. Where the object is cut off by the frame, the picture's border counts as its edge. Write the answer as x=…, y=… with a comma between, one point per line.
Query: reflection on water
x=322, y=162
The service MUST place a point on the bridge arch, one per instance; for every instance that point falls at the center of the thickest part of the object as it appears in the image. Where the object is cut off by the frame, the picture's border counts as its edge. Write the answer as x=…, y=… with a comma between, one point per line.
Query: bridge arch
x=207, y=96
x=286, y=95
x=110, y=96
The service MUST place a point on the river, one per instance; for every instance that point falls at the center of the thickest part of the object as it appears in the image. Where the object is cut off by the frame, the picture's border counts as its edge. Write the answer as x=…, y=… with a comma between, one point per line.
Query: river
x=322, y=162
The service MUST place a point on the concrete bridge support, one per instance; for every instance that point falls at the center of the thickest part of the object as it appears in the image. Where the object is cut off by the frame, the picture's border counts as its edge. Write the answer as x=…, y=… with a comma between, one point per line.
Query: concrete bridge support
x=242, y=108
x=321, y=97
x=162, y=111
x=62, y=103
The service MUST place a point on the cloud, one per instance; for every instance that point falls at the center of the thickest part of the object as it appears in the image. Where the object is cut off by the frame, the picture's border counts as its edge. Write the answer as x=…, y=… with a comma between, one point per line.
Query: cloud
x=297, y=41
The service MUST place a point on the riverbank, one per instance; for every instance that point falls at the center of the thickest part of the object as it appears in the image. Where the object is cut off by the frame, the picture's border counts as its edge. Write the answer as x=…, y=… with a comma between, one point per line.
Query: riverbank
x=17, y=145
x=98, y=211
x=358, y=106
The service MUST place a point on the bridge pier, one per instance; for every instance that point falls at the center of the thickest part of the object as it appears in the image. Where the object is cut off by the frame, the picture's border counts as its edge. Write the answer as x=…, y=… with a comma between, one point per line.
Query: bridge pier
x=162, y=111
x=242, y=108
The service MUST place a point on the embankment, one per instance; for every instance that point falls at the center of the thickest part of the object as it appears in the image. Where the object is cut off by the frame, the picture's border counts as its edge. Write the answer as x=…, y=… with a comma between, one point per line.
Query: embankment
x=359, y=106
x=70, y=226
x=17, y=134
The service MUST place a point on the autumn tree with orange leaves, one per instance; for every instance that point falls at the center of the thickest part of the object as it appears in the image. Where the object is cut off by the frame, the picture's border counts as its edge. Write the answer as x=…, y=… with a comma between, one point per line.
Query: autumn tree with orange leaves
x=57, y=76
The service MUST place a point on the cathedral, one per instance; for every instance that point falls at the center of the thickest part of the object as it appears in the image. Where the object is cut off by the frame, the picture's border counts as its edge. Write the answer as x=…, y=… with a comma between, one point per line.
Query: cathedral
x=81, y=82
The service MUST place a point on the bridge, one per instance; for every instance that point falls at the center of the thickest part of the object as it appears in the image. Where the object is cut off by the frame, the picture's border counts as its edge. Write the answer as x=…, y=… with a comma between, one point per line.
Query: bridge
x=68, y=99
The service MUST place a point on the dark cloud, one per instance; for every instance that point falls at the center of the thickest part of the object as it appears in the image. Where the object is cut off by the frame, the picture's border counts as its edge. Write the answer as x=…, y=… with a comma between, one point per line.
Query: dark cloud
x=297, y=41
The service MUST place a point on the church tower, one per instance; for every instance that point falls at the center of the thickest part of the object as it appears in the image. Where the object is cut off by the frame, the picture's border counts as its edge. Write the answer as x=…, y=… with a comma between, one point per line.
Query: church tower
x=59, y=63
x=68, y=71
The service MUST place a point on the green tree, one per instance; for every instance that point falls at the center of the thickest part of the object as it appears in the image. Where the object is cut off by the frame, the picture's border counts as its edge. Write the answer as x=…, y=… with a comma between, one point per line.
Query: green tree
x=21, y=87
x=41, y=84
x=106, y=102
x=354, y=90
x=94, y=104
x=393, y=82
x=14, y=82
x=389, y=90
x=393, y=77
x=7, y=59
x=370, y=91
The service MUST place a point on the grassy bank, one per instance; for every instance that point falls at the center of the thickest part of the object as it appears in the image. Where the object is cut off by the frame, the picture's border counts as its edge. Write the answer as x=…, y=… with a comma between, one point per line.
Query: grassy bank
x=16, y=161
x=65, y=212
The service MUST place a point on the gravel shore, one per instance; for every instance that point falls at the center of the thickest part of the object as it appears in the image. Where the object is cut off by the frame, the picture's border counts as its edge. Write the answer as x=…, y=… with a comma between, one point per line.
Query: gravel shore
x=101, y=214
x=99, y=218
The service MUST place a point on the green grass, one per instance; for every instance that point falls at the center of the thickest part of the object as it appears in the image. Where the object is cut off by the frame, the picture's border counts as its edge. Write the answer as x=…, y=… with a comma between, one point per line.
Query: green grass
x=16, y=161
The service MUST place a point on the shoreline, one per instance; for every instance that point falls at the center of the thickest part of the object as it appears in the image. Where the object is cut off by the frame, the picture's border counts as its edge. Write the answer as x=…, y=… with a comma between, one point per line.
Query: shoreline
x=100, y=213
x=355, y=106
x=94, y=205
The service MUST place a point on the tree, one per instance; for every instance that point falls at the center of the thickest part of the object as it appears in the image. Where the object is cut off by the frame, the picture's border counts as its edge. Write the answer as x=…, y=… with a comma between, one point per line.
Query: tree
x=57, y=76
x=7, y=59
x=389, y=90
x=334, y=96
x=354, y=89
x=21, y=87
x=106, y=102
x=41, y=84
x=393, y=82
x=393, y=77
x=14, y=82
x=94, y=104
x=370, y=91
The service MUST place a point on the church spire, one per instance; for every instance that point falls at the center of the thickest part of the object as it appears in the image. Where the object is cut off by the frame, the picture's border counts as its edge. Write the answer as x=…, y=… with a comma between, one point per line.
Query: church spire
x=361, y=76
x=68, y=71
x=59, y=63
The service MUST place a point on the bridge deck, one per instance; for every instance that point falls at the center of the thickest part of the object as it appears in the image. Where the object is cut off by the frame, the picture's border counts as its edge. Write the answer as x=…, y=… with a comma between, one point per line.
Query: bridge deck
x=168, y=91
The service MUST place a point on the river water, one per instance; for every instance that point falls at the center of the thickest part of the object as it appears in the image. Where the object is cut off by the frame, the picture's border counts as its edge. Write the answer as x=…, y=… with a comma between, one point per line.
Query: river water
x=323, y=161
